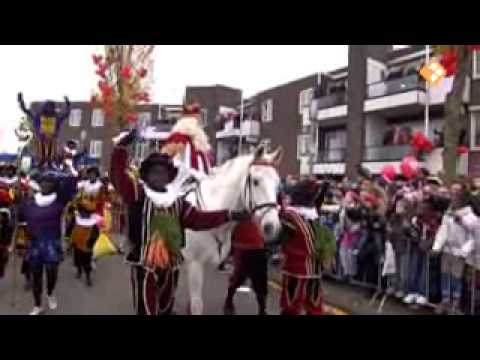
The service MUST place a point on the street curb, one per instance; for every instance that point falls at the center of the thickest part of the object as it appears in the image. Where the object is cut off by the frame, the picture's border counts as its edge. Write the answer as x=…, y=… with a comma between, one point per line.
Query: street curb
x=347, y=300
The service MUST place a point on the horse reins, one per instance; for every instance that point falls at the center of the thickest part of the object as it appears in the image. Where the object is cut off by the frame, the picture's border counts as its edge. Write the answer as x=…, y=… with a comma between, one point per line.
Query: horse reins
x=248, y=195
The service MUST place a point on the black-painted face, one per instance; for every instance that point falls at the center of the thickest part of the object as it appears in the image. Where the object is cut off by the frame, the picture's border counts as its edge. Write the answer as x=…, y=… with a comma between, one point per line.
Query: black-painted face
x=47, y=186
x=10, y=172
x=48, y=109
x=92, y=176
x=157, y=178
x=83, y=213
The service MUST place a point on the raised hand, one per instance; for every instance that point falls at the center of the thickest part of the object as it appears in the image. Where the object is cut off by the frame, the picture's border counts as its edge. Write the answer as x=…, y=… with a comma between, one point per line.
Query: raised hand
x=66, y=112
x=23, y=107
x=126, y=139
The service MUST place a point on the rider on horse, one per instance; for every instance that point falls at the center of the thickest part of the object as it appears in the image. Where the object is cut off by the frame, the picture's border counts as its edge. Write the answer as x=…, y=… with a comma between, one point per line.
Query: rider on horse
x=188, y=143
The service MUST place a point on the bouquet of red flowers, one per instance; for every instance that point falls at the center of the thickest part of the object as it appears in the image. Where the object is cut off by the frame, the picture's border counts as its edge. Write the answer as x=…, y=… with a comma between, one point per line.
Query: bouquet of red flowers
x=421, y=144
x=123, y=81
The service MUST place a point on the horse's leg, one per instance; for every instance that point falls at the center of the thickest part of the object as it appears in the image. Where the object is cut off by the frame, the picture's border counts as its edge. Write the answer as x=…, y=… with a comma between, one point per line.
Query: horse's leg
x=195, y=286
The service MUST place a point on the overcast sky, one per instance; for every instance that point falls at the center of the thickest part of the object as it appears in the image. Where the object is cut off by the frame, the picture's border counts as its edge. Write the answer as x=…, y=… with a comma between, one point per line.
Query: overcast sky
x=52, y=71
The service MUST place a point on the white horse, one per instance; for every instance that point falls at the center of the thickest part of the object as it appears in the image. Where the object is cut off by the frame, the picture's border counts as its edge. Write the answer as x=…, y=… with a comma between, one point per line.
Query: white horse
x=248, y=182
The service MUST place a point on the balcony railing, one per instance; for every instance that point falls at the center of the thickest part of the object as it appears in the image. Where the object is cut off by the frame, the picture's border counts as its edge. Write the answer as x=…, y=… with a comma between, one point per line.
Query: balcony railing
x=331, y=156
x=332, y=100
x=386, y=153
x=396, y=86
x=245, y=128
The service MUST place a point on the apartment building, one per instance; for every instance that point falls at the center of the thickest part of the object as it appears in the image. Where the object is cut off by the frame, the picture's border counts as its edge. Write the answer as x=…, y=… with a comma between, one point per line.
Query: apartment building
x=212, y=99
x=366, y=113
x=88, y=126
x=156, y=133
x=474, y=118
x=275, y=117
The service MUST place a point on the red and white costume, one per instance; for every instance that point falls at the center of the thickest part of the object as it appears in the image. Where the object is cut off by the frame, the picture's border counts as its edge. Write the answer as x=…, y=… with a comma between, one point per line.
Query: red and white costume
x=301, y=284
x=96, y=192
x=188, y=143
x=68, y=159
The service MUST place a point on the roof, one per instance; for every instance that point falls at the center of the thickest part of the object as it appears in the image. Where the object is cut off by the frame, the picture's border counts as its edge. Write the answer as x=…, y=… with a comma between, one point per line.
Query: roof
x=285, y=85
x=339, y=71
x=397, y=56
x=213, y=87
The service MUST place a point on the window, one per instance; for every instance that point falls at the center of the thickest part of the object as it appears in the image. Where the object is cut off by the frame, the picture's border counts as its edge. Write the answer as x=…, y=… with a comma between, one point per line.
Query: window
x=306, y=113
x=267, y=111
x=98, y=118
x=475, y=129
x=144, y=119
x=304, y=99
x=267, y=143
x=303, y=142
x=204, y=118
x=476, y=64
x=75, y=119
x=96, y=149
x=334, y=139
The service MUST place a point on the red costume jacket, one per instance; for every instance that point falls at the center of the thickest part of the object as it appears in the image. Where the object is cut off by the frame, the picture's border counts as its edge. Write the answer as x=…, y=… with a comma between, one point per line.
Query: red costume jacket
x=141, y=209
x=299, y=249
x=247, y=236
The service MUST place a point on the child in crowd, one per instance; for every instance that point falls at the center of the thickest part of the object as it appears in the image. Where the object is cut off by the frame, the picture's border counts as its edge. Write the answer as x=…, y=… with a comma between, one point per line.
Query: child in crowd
x=455, y=240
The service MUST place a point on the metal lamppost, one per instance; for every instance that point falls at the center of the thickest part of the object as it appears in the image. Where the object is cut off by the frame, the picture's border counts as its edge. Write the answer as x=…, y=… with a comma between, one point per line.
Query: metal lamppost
x=240, y=139
x=310, y=131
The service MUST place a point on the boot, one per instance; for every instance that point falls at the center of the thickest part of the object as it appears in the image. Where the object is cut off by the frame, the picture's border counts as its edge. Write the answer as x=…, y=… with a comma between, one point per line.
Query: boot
x=229, y=309
x=442, y=308
x=89, y=280
x=79, y=273
x=455, y=309
x=28, y=285
x=262, y=312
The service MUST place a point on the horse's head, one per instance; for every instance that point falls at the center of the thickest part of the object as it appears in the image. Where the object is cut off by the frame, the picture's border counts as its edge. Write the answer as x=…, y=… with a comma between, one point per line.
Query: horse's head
x=261, y=189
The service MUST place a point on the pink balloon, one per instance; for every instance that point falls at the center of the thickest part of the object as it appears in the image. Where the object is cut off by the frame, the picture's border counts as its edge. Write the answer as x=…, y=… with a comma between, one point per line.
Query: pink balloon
x=409, y=167
x=389, y=173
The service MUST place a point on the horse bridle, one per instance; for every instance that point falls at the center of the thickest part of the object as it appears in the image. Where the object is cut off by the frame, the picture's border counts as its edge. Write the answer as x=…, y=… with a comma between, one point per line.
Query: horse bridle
x=250, y=205
x=248, y=202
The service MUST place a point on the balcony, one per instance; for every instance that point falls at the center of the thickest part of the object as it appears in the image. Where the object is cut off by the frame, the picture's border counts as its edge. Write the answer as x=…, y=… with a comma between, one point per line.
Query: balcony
x=331, y=156
x=332, y=106
x=330, y=161
x=153, y=133
x=386, y=153
x=407, y=91
x=248, y=128
x=396, y=86
x=332, y=100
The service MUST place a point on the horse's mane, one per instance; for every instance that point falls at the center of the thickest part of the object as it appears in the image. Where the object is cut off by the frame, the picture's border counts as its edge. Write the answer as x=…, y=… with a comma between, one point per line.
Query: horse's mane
x=229, y=165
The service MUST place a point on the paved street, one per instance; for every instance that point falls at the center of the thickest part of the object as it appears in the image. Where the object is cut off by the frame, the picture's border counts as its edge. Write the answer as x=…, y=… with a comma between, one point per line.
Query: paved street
x=110, y=294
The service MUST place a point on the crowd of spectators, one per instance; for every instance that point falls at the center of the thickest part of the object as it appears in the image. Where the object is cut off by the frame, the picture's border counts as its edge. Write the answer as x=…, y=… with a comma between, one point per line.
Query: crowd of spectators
x=416, y=240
